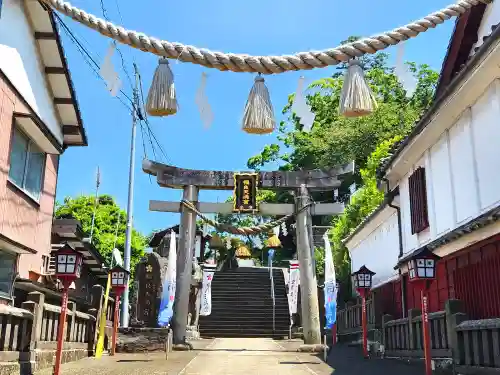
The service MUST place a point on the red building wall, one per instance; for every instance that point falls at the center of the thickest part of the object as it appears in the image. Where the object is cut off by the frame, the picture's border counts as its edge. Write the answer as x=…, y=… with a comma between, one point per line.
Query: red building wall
x=471, y=275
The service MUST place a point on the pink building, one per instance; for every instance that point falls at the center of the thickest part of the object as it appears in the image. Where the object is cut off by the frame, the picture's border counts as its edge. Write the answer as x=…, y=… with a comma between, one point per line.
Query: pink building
x=39, y=119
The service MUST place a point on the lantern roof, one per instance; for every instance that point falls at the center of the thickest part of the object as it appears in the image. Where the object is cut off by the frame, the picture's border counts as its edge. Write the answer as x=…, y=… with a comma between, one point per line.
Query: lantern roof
x=118, y=268
x=423, y=252
x=68, y=248
x=70, y=231
x=364, y=270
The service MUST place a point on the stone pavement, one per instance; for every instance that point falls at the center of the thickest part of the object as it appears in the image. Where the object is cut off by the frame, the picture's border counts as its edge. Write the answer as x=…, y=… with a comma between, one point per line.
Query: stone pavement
x=131, y=364
x=241, y=356
x=254, y=356
x=209, y=357
x=347, y=360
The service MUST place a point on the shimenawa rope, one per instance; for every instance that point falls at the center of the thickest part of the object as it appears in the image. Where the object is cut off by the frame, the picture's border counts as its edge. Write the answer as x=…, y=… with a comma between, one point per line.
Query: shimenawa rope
x=263, y=64
x=266, y=227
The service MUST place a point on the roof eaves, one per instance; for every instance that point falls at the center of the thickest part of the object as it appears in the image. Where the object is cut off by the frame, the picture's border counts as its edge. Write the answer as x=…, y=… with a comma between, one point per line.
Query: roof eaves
x=69, y=80
x=456, y=81
x=479, y=222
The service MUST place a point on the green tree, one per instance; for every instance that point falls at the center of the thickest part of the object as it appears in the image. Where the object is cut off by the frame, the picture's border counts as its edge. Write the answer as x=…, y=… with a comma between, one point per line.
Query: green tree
x=109, y=226
x=363, y=202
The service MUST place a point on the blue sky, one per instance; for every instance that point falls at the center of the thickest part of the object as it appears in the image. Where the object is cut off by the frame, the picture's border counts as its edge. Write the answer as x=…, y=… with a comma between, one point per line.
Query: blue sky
x=261, y=27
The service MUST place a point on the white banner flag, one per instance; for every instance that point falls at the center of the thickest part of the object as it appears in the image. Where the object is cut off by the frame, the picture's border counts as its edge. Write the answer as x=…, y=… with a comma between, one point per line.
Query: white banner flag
x=293, y=287
x=206, y=293
x=169, y=285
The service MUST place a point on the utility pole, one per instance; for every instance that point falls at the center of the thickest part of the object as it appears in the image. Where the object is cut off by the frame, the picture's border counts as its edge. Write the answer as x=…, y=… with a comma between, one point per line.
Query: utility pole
x=130, y=203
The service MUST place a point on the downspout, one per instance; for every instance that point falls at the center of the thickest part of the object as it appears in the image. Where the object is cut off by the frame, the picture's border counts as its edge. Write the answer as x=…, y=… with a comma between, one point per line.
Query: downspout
x=57, y=184
x=389, y=199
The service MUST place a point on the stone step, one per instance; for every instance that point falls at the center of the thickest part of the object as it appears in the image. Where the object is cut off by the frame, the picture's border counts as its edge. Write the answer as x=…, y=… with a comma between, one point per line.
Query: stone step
x=239, y=333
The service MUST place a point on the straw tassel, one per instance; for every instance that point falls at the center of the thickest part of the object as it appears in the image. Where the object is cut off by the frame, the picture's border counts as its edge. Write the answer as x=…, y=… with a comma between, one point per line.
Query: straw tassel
x=273, y=242
x=161, y=97
x=258, y=117
x=356, y=99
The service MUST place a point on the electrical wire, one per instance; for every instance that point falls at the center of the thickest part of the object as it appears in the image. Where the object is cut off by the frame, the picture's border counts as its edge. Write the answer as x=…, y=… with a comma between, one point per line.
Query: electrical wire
x=146, y=130
x=89, y=60
x=124, y=67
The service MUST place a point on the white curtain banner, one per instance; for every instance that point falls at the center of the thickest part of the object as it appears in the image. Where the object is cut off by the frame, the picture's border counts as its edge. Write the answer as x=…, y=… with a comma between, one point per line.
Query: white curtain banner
x=206, y=293
x=293, y=287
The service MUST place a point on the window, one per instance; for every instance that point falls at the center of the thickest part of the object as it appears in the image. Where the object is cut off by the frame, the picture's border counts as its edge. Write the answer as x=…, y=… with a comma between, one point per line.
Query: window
x=27, y=163
x=8, y=263
x=418, y=201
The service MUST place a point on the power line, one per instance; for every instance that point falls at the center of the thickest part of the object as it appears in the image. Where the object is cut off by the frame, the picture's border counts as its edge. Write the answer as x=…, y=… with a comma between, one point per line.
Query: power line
x=90, y=61
x=124, y=67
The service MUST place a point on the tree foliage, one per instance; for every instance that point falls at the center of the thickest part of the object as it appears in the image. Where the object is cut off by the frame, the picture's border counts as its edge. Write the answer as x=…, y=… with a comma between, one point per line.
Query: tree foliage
x=363, y=202
x=109, y=226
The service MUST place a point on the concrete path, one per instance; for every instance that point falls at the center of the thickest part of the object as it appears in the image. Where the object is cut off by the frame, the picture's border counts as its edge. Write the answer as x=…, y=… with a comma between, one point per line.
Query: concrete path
x=253, y=356
x=210, y=357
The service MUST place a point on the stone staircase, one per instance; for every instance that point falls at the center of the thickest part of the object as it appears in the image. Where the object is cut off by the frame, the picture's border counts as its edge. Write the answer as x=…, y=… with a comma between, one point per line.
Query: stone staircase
x=242, y=305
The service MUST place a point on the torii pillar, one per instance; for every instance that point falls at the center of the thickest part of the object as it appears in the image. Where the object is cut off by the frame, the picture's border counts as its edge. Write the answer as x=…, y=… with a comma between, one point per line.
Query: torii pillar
x=187, y=238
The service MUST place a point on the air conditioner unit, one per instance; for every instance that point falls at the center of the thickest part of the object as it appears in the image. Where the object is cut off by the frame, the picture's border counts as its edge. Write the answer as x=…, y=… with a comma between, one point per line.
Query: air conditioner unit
x=49, y=271
x=49, y=267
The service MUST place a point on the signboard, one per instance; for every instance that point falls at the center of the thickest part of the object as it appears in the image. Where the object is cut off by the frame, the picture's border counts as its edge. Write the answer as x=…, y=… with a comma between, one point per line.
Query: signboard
x=245, y=192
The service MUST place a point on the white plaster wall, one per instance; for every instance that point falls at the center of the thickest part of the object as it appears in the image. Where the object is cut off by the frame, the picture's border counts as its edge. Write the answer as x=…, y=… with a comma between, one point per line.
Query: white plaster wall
x=491, y=17
x=379, y=250
x=20, y=62
x=462, y=176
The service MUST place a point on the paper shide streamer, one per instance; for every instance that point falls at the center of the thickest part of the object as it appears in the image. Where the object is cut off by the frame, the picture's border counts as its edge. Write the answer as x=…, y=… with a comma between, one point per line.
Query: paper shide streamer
x=108, y=72
x=301, y=108
x=206, y=114
x=403, y=72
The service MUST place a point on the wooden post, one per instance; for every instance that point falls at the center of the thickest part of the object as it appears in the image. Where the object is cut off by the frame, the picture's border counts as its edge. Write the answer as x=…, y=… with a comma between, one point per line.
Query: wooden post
x=187, y=233
x=309, y=287
x=385, y=330
x=426, y=334
x=61, y=330
x=115, y=324
x=412, y=314
x=454, y=316
x=91, y=331
x=364, y=325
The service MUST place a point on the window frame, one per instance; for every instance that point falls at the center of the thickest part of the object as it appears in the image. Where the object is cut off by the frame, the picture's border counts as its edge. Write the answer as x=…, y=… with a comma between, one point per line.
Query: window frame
x=417, y=192
x=30, y=143
x=10, y=294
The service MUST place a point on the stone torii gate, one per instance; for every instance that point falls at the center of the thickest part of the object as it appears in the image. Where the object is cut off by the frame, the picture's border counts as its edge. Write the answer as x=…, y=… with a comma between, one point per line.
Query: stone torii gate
x=191, y=181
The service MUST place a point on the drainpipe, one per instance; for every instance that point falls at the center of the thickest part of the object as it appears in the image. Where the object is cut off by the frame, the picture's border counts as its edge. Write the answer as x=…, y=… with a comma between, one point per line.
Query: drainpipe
x=389, y=198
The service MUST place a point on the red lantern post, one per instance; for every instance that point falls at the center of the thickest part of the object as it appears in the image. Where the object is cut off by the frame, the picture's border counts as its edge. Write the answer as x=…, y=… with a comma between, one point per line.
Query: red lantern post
x=362, y=280
x=68, y=268
x=119, y=281
x=421, y=272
